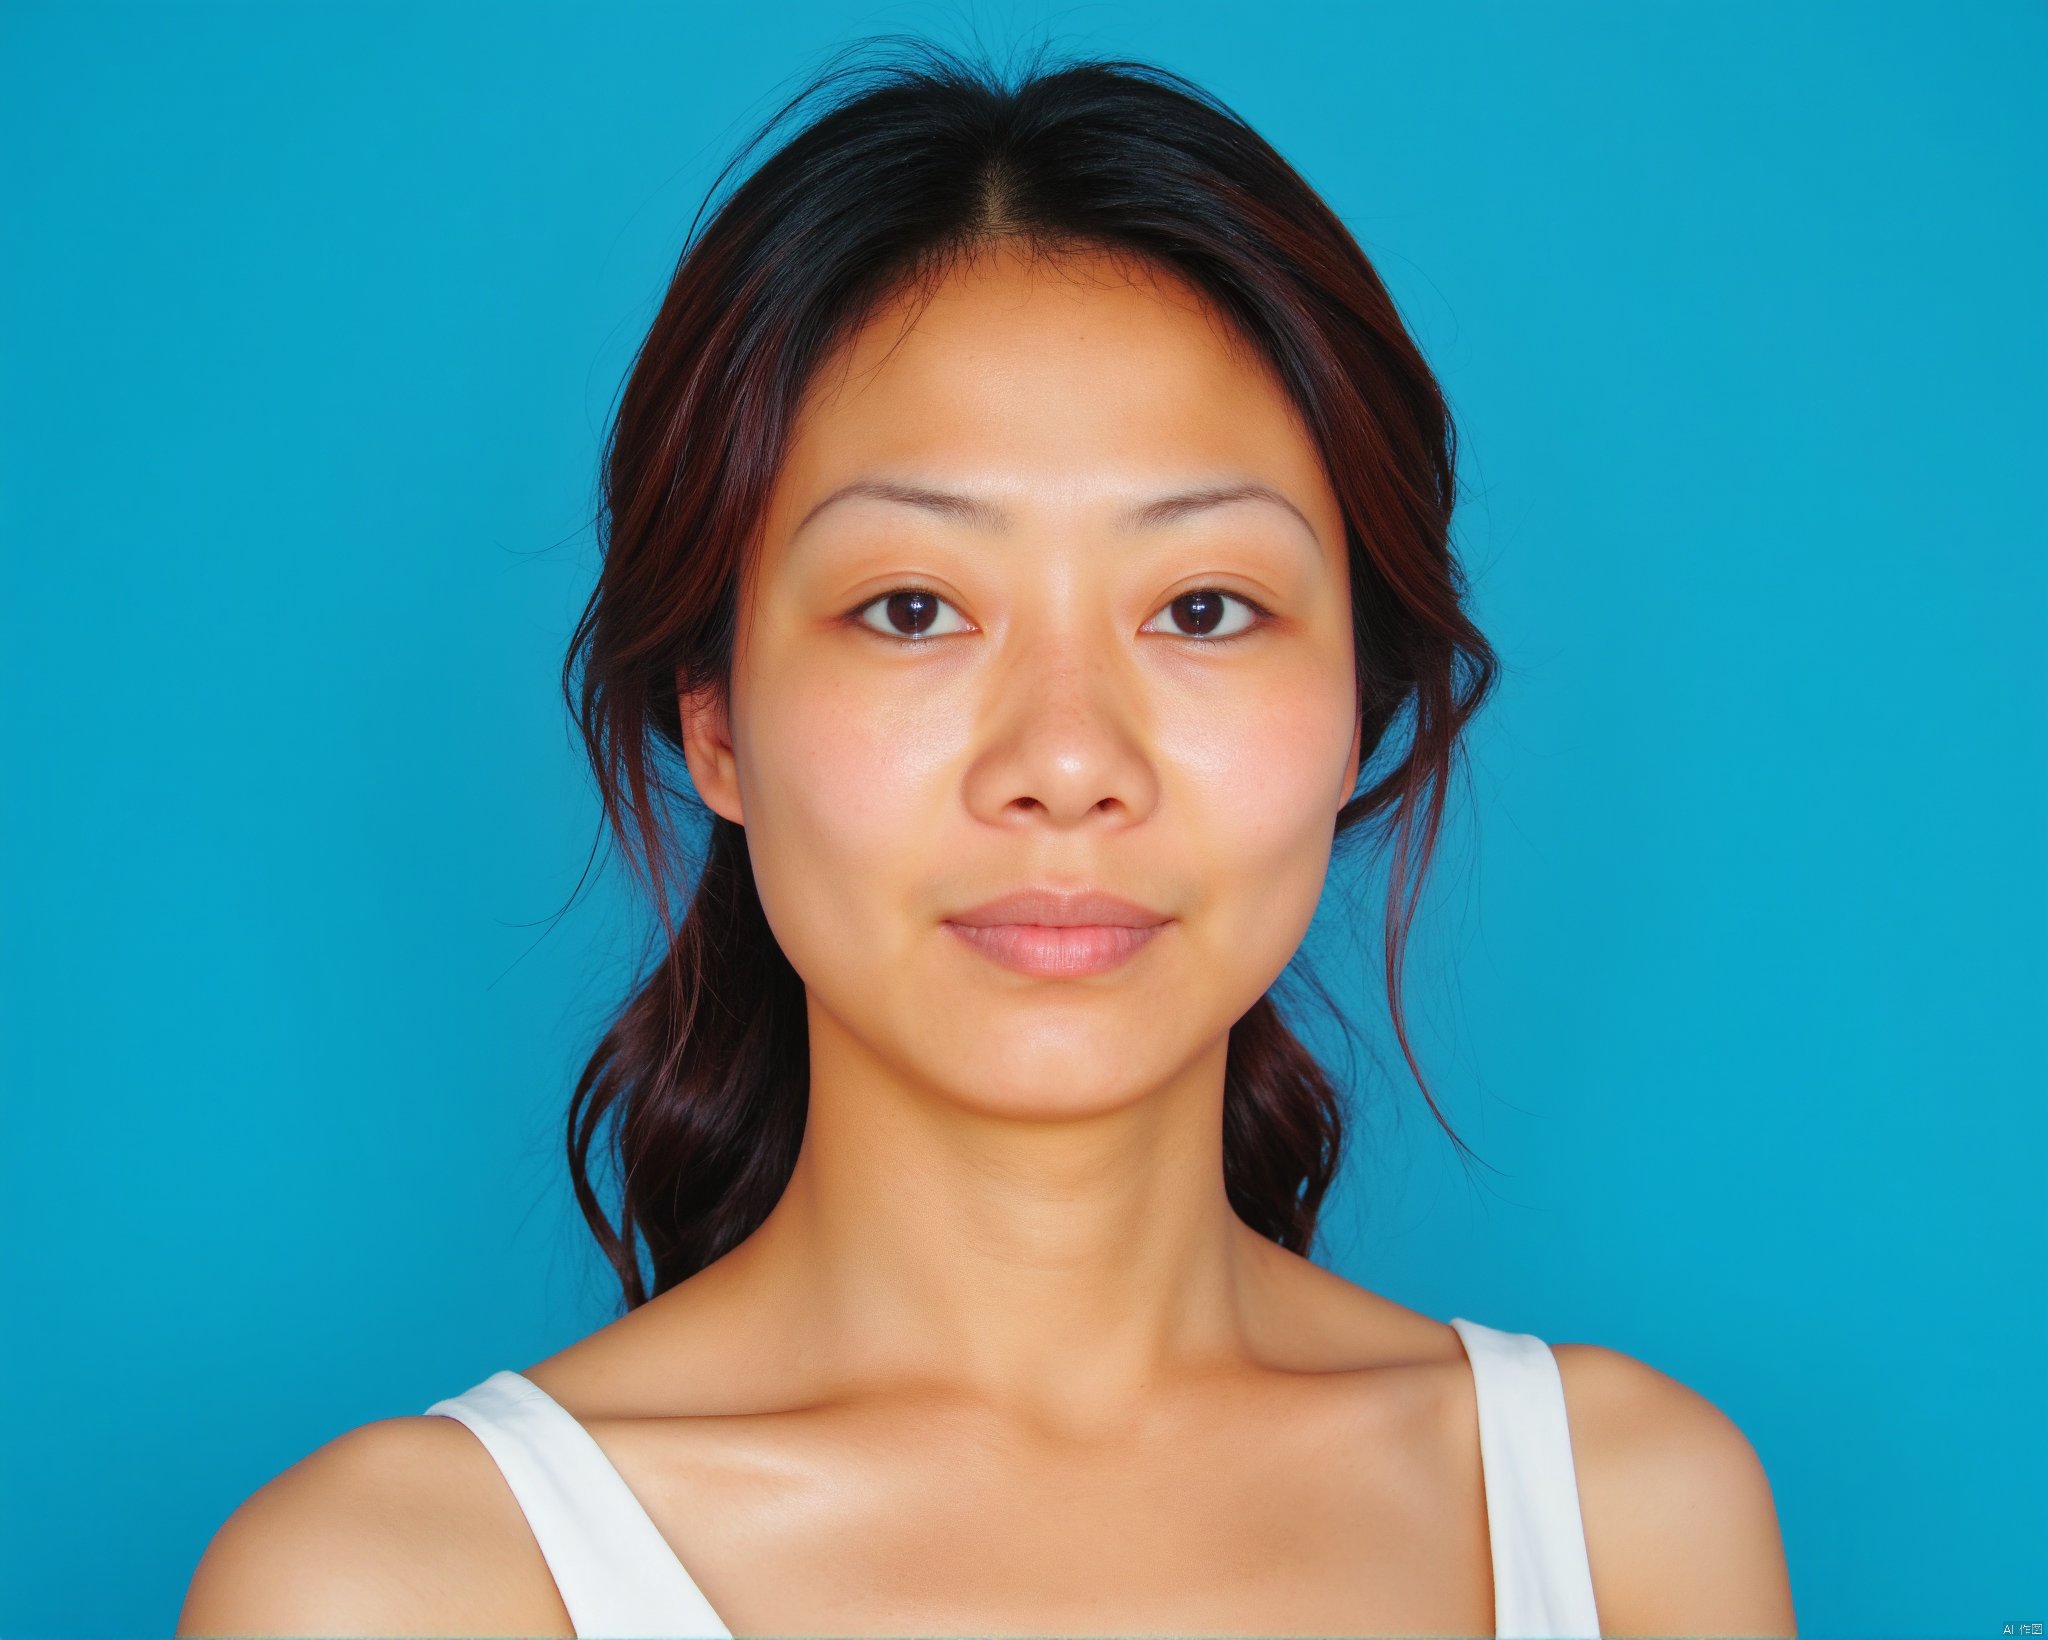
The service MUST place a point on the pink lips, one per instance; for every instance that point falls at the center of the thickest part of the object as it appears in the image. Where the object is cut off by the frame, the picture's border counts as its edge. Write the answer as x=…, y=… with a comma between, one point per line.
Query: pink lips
x=1059, y=953
x=1058, y=934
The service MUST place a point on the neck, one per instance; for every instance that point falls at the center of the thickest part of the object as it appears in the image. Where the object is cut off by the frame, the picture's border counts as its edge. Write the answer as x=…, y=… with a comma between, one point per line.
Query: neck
x=1061, y=1266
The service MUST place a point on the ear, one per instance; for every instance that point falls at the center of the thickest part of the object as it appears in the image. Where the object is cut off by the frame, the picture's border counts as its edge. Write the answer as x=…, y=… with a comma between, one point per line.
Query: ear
x=1351, y=767
x=707, y=748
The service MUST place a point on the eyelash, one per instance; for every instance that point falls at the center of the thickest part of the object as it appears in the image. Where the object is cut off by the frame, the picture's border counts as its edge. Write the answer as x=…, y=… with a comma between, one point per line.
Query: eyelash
x=1262, y=616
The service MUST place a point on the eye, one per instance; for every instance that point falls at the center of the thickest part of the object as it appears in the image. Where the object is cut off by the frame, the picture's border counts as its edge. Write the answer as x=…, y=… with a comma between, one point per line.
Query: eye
x=1203, y=610
x=911, y=612
x=914, y=608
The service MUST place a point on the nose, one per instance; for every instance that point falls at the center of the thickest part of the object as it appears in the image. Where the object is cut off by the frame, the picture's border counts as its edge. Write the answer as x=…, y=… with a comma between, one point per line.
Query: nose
x=1066, y=739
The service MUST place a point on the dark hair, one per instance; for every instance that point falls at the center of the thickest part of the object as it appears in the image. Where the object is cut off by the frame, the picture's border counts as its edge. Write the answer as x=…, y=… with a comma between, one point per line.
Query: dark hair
x=907, y=165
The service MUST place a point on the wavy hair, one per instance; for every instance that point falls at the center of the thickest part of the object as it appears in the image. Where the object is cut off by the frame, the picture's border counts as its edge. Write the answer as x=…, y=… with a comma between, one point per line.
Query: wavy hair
x=900, y=167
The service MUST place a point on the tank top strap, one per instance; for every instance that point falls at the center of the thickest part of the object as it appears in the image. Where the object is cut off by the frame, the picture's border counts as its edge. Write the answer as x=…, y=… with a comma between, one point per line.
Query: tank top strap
x=614, y=1570
x=1542, y=1579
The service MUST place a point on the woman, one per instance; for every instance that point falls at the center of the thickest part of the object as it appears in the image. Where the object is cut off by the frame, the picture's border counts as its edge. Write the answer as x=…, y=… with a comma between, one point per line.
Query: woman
x=1027, y=519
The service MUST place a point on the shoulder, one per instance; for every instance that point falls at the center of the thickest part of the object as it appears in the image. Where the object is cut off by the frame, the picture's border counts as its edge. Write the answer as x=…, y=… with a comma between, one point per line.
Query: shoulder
x=1681, y=1528
x=400, y=1525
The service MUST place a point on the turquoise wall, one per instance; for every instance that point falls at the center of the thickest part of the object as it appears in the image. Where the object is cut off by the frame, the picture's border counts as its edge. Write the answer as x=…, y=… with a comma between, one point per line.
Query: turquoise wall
x=313, y=315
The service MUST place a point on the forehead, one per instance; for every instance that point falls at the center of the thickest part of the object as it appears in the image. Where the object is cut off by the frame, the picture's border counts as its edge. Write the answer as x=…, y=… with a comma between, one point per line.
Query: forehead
x=1079, y=382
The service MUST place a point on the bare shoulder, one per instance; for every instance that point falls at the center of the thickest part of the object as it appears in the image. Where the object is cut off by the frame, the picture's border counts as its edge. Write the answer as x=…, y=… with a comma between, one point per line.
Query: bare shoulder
x=402, y=1526
x=1681, y=1528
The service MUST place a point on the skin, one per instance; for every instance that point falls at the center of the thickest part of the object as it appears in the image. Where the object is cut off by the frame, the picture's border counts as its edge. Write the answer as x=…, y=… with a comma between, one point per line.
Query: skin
x=1003, y=1358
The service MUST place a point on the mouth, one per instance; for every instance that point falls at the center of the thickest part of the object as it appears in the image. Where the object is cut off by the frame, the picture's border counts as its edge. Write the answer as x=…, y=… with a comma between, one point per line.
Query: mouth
x=1050, y=952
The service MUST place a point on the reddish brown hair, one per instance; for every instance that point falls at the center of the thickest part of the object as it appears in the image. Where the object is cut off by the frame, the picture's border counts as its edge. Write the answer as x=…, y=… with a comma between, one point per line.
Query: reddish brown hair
x=905, y=165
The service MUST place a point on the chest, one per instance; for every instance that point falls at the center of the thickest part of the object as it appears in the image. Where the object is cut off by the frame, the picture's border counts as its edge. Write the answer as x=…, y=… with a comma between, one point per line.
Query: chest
x=1354, y=1521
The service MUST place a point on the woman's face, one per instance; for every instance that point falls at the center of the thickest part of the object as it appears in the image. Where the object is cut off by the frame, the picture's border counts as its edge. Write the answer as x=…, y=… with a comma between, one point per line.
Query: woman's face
x=1057, y=712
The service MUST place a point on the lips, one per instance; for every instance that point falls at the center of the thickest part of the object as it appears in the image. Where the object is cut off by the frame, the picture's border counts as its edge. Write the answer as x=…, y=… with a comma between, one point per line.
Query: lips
x=1060, y=908
x=1056, y=933
x=1056, y=953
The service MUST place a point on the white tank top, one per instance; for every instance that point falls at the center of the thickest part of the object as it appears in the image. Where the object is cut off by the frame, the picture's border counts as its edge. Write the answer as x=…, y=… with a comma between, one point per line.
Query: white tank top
x=618, y=1576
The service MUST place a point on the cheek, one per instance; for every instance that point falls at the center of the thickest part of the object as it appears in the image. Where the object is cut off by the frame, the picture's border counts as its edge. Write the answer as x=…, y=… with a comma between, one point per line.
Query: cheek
x=1263, y=786
x=844, y=791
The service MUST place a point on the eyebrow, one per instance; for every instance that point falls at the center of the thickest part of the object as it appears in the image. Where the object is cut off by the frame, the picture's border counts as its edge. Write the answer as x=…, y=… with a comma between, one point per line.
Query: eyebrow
x=986, y=515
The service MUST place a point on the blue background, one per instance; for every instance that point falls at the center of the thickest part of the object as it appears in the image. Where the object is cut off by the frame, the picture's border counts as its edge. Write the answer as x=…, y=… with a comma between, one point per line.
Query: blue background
x=1733, y=963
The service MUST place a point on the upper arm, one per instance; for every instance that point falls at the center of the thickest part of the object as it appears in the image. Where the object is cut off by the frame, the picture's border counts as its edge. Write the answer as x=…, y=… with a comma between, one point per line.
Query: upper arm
x=1681, y=1528
x=391, y=1528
